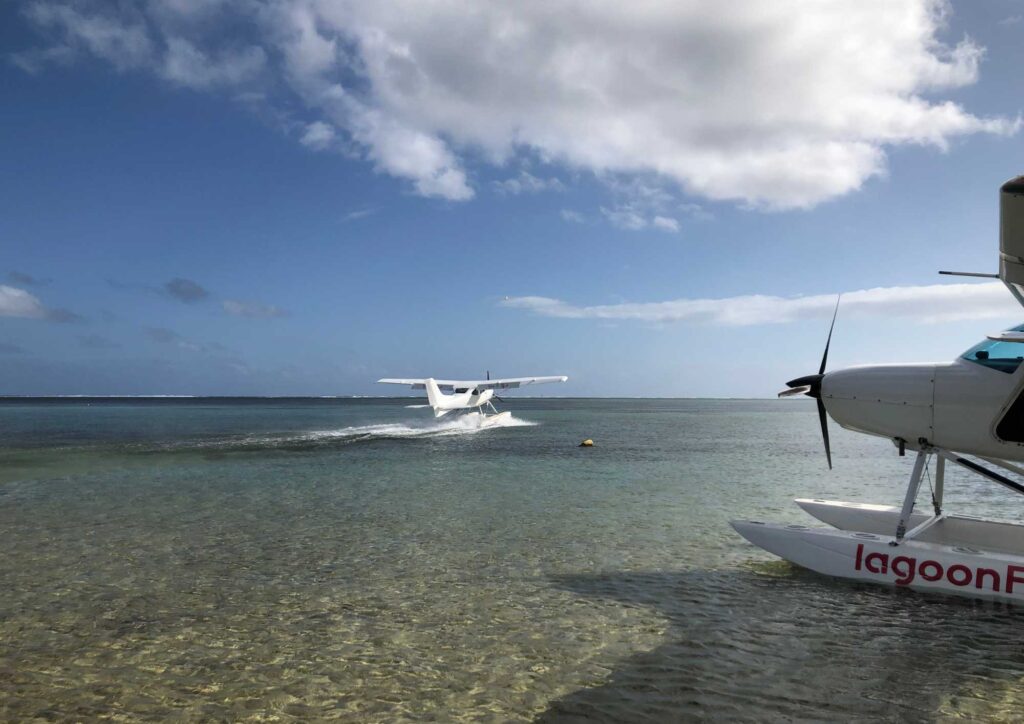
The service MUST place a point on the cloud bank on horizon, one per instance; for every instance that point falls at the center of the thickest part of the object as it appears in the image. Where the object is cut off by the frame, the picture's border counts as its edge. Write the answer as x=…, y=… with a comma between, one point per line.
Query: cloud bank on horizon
x=932, y=303
x=772, y=105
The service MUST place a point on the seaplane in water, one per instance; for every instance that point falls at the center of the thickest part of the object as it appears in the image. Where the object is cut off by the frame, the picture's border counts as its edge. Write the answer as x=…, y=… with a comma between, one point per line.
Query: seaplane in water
x=969, y=413
x=469, y=398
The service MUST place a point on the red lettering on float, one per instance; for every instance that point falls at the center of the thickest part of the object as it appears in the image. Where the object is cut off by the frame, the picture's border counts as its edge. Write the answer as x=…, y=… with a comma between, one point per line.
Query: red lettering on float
x=937, y=567
x=1013, y=576
x=860, y=552
x=905, y=569
x=882, y=558
x=959, y=580
x=979, y=577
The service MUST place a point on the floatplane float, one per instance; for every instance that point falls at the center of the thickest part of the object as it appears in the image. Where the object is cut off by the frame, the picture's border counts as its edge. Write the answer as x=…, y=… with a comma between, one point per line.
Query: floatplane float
x=470, y=399
x=970, y=413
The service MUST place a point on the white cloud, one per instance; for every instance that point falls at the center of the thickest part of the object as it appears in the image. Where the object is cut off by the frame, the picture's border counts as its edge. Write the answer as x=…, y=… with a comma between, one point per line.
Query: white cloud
x=929, y=304
x=16, y=302
x=775, y=105
x=252, y=310
x=696, y=211
x=362, y=213
x=186, y=65
x=318, y=135
x=631, y=218
x=527, y=183
x=665, y=223
x=572, y=216
x=625, y=217
x=120, y=38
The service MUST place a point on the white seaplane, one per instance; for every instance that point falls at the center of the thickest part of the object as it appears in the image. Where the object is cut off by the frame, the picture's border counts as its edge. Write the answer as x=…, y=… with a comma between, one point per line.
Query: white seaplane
x=973, y=406
x=469, y=397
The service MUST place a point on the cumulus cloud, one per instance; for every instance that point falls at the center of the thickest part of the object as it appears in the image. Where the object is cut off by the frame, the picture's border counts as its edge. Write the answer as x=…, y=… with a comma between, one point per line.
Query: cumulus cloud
x=252, y=310
x=185, y=290
x=572, y=216
x=15, y=302
x=775, y=105
x=929, y=304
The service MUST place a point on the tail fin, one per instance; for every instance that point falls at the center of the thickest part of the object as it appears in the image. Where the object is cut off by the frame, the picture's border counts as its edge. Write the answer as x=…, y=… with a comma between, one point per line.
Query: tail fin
x=434, y=396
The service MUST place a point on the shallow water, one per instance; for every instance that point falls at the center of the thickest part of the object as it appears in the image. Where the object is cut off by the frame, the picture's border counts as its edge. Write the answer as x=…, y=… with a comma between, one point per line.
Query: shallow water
x=297, y=560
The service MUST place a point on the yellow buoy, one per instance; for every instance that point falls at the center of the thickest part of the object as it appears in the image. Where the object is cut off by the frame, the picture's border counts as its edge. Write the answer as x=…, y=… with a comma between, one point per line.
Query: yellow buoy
x=587, y=443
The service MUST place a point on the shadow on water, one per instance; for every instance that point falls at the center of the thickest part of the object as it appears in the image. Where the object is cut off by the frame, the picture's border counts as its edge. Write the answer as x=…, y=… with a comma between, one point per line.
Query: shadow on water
x=777, y=642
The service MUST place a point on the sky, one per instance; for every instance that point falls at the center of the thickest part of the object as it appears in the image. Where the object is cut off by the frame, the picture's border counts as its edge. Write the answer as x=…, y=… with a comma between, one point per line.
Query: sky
x=297, y=197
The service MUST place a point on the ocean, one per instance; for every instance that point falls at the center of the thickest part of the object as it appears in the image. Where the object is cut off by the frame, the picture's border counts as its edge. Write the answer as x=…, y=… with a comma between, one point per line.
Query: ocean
x=317, y=559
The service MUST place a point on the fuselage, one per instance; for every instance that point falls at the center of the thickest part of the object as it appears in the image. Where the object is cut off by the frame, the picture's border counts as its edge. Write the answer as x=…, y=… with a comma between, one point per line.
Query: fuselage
x=463, y=400
x=966, y=405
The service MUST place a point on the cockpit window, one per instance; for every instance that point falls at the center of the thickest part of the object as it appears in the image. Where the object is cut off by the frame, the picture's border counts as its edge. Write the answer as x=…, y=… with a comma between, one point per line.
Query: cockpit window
x=1003, y=356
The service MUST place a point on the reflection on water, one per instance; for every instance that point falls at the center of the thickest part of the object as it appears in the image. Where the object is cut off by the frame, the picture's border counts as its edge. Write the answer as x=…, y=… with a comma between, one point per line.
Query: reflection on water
x=234, y=562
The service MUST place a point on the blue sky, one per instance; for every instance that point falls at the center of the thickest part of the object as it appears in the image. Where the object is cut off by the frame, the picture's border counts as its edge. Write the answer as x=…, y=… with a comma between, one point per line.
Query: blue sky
x=231, y=197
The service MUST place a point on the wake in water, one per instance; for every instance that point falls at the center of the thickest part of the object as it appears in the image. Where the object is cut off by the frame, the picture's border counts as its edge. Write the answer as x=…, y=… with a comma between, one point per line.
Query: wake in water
x=461, y=425
x=453, y=427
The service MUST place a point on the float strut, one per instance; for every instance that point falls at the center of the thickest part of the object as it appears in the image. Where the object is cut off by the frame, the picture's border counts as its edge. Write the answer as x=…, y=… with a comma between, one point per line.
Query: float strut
x=940, y=479
x=908, y=502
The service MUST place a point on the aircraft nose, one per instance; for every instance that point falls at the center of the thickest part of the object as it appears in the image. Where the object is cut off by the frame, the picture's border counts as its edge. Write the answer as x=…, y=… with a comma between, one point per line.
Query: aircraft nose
x=888, y=400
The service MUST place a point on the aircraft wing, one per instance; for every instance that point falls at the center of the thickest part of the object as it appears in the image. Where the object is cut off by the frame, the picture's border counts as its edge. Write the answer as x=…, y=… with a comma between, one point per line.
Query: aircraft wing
x=420, y=384
x=510, y=383
x=505, y=383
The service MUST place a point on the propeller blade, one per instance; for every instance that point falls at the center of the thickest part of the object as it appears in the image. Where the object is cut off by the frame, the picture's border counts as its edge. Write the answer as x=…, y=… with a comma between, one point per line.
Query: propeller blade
x=801, y=390
x=810, y=385
x=824, y=357
x=823, y=418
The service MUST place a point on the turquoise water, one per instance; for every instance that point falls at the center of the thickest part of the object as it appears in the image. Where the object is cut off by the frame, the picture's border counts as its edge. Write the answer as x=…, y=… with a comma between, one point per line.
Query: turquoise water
x=297, y=560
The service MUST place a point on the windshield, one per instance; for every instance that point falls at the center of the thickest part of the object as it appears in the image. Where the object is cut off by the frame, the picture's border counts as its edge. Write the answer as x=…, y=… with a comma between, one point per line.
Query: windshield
x=1003, y=356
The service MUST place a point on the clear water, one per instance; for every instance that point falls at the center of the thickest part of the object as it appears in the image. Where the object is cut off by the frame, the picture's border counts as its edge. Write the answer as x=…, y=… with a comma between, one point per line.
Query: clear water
x=300, y=560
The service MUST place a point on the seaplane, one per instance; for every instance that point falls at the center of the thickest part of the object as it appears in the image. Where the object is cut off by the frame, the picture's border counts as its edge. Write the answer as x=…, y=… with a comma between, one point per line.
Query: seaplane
x=968, y=413
x=469, y=398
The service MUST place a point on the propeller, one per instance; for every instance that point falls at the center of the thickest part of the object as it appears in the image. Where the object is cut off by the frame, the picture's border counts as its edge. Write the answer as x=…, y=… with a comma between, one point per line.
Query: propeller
x=810, y=385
